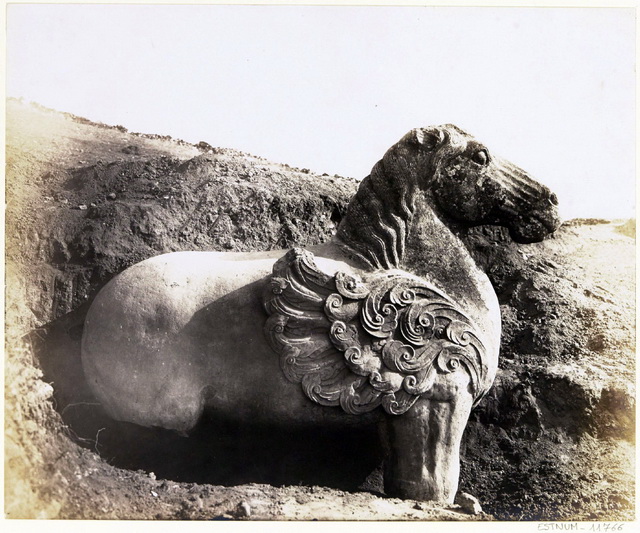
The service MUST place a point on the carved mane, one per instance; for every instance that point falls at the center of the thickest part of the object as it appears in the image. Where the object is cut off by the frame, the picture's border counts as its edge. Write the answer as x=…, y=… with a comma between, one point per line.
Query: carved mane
x=377, y=218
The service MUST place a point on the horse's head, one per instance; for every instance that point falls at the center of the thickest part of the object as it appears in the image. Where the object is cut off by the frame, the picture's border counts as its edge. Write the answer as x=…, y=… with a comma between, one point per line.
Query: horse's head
x=469, y=184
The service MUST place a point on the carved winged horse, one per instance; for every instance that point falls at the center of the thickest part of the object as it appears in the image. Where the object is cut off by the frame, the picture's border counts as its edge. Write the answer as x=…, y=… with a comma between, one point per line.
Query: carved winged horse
x=391, y=322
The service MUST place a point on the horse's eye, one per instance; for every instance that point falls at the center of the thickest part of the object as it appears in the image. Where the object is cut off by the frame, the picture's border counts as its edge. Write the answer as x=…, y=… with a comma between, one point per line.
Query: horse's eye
x=481, y=157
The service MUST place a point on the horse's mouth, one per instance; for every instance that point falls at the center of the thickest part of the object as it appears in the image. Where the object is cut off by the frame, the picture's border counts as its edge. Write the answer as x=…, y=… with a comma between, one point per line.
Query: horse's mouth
x=534, y=227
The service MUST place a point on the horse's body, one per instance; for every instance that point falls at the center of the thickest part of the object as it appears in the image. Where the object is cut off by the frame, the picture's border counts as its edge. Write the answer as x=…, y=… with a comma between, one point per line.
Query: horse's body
x=185, y=332
x=207, y=307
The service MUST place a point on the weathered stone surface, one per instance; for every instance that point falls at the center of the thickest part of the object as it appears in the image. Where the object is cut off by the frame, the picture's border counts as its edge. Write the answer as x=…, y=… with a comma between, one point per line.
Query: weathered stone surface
x=178, y=335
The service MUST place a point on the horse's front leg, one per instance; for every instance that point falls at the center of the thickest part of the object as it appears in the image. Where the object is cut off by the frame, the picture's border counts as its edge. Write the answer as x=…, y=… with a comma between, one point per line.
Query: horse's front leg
x=423, y=447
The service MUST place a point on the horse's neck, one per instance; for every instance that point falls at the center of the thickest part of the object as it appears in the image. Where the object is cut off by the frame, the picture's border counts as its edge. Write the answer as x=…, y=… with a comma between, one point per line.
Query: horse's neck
x=390, y=224
x=434, y=253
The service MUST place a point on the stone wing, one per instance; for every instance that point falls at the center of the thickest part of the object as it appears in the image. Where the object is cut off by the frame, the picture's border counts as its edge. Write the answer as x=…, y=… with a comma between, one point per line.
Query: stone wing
x=363, y=343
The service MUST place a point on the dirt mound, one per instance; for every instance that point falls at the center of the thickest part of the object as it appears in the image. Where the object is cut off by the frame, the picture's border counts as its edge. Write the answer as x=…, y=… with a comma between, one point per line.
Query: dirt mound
x=554, y=439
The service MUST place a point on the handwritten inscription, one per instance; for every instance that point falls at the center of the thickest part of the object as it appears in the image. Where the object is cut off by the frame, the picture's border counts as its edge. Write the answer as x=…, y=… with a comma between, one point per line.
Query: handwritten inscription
x=596, y=527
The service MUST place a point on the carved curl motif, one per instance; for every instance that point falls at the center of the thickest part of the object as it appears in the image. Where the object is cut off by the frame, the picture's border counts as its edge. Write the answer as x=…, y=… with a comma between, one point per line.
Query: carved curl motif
x=361, y=343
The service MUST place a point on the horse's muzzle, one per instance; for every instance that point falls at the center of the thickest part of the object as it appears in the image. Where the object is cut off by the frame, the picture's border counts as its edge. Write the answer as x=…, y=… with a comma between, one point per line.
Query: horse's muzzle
x=541, y=221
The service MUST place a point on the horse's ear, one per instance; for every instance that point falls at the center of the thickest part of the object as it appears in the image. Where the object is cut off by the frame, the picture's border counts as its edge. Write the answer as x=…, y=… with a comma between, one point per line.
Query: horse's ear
x=428, y=138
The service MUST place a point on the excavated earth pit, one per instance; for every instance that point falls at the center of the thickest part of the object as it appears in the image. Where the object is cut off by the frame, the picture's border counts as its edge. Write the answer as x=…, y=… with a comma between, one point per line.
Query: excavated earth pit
x=553, y=440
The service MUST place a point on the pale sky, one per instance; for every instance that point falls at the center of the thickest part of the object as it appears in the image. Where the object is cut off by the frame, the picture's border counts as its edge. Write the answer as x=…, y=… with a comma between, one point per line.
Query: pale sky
x=331, y=88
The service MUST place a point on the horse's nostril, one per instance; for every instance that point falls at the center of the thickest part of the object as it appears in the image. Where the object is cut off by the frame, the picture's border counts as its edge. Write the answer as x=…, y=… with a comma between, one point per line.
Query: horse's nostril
x=553, y=198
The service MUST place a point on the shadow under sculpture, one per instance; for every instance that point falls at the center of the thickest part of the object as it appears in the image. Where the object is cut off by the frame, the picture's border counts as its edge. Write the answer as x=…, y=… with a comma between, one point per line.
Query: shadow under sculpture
x=389, y=323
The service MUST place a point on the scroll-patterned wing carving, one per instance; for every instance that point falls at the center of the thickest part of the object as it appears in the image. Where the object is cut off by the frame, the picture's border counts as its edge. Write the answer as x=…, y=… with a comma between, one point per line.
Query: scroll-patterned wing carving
x=359, y=343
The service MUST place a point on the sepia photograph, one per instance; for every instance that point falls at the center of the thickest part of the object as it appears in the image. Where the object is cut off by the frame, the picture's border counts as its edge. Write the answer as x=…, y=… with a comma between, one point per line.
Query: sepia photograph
x=285, y=262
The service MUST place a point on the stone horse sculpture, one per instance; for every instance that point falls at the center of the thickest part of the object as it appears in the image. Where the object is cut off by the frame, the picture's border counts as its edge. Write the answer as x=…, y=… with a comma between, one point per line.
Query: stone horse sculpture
x=391, y=322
